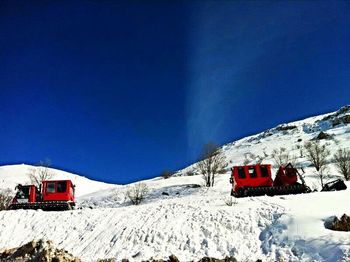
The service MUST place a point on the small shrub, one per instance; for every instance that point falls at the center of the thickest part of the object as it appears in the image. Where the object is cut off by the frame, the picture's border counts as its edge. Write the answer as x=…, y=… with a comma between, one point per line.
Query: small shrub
x=249, y=158
x=260, y=158
x=166, y=174
x=5, y=198
x=190, y=173
x=137, y=193
x=286, y=127
x=230, y=201
x=246, y=161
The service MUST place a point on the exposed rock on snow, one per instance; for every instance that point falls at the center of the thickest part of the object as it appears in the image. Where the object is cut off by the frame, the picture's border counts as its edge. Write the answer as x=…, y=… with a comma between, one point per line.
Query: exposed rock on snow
x=38, y=251
x=171, y=258
x=323, y=135
x=211, y=259
x=342, y=224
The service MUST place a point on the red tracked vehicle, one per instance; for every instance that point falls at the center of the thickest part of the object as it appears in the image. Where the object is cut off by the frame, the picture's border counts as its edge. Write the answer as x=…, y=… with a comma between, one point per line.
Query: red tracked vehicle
x=52, y=195
x=256, y=180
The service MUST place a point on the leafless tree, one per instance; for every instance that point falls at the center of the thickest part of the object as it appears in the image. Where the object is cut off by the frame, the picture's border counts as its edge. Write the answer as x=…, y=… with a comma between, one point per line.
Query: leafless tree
x=40, y=173
x=5, y=198
x=212, y=163
x=137, y=193
x=260, y=158
x=246, y=160
x=252, y=158
x=342, y=162
x=281, y=156
x=317, y=154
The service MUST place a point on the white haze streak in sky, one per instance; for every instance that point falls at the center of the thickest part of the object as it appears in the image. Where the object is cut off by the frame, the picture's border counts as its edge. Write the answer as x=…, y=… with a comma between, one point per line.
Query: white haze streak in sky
x=225, y=47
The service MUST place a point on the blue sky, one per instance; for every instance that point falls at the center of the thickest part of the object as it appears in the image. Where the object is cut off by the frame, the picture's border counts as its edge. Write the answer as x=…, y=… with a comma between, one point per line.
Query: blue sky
x=119, y=91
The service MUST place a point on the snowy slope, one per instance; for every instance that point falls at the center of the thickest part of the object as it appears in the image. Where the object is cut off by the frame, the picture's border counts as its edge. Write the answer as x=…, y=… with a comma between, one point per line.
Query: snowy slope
x=192, y=222
x=12, y=175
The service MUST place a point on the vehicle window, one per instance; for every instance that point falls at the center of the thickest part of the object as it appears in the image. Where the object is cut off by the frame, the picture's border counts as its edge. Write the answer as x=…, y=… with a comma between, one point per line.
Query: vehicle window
x=264, y=171
x=23, y=193
x=241, y=173
x=252, y=172
x=61, y=187
x=50, y=187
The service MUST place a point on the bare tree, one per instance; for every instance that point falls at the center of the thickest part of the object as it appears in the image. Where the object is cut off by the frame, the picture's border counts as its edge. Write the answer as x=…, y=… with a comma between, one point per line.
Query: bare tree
x=246, y=160
x=342, y=162
x=40, y=173
x=317, y=154
x=252, y=158
x=137, y=193
x=5, y=198
x=280, y=156
x=260, y=158
x=212, y=163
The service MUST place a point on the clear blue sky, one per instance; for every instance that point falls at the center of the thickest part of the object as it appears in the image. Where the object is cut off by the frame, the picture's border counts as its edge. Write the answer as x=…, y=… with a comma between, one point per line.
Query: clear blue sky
x=119, y=91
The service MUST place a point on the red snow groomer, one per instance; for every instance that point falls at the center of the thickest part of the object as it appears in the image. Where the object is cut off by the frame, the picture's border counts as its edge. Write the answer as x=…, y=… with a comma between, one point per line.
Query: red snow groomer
x=52, y=195
x=256, y=180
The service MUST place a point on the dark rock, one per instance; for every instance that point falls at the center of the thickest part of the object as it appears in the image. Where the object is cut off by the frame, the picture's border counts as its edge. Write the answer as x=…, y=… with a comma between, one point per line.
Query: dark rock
x=165, y=194
x=212, y=259
x=230, y=259
x=335, y=122
x=343, y=110
x=345, y=119
x=194, y=186
x=41, y=250
x=342, y=224
x=285, y=127
x=323, y=135
x=173, y=258
x=209, y=259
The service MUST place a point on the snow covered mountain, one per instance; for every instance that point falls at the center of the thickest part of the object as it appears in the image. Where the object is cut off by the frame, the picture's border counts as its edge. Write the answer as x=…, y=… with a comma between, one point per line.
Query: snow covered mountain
x=180, y=218
x=12, y=175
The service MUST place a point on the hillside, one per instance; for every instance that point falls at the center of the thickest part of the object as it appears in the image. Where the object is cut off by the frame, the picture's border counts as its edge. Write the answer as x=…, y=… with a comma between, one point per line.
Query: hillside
x=12, y=175
x=191, y=222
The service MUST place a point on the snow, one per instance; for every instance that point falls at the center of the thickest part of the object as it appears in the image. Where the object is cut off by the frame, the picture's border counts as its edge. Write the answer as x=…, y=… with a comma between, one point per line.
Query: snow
x=191, y=222
x=12, y=175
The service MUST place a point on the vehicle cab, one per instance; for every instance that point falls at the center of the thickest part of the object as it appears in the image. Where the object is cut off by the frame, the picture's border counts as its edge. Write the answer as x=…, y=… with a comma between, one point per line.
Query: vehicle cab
x=250, y=176
x=58, y=190
x=26, y=194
